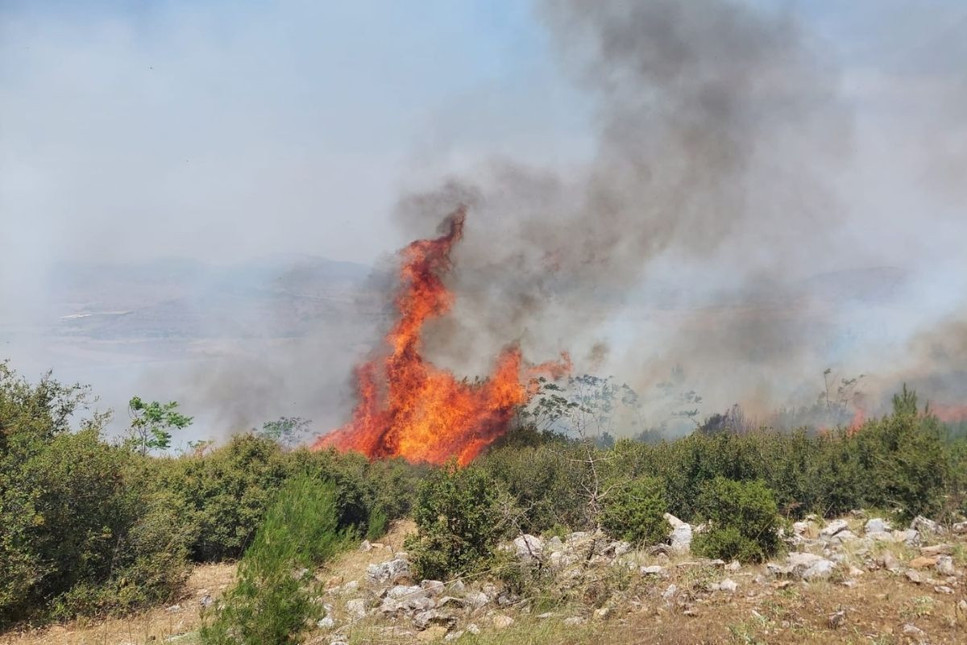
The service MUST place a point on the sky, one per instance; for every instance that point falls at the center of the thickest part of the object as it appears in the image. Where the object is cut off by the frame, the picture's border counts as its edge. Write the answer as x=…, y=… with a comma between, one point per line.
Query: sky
x=228, y=130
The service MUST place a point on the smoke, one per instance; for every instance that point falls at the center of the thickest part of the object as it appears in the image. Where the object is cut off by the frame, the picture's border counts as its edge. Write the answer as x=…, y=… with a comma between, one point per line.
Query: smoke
x=717, y=130
x=936, y=362
x=726, y=178
x=760, y=191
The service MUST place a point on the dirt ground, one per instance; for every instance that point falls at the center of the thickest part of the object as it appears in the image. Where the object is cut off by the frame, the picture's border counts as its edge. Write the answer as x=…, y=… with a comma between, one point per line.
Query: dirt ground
x=172, y=624
x=880, y=607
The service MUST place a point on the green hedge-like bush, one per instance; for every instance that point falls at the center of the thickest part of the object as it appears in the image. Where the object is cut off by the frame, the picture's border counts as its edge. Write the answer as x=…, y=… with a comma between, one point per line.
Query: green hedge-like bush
x=634, y=510
x=542, y=481
x=80, y=531
x=227, y=491
x=458, y=520
x=743, y=521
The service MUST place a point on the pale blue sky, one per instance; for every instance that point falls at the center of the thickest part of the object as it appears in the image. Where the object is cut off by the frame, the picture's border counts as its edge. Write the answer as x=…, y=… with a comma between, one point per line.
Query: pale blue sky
x=254, y=127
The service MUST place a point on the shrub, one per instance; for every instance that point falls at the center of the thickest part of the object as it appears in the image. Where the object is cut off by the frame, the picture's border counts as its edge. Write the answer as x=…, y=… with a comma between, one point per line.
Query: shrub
x=378, y=523
x=458, y=520
x=392, y=486
x=150, y=566
x=904, y=460
x=743, y=520
x=634, y=511
x=82, y=532
x=957, y=467
x=275, y=597
x=226, y=493
x=542, y=480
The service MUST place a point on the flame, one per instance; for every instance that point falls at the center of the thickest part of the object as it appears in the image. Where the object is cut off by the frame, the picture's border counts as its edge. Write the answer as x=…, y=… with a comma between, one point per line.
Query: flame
x=859, y=418
x=413, y=409
x=949, y=413
x=945, y=413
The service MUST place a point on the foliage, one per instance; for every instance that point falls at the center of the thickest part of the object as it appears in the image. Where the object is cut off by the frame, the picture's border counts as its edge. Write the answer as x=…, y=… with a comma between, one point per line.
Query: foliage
x=377, y=524
x=542, y=480
x=634, y=511
x=957, y=468
x=89, y=528
x=287, y=431
x=226, y=492
x=82, y=532
x=903, y=459
x=275, y=596
x=152, y=423
x=459, y=522
x=586, y=405
x=150, y=566
x=743, y=521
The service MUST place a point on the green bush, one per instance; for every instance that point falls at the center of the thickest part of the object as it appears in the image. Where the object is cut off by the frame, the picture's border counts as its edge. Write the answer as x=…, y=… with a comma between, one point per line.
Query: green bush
x=743, y=521
x=392, y=486
x=150, y=566
x=226, y=493
x=633, y=510
x=957, y=468
x=542, y=480
x=82, y=531
x=904, y=460
x=378, y=523
x=458, y=520
x=276, y=596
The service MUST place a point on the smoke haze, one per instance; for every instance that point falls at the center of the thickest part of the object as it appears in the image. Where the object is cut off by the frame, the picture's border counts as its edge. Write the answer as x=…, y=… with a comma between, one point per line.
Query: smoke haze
x=730, y=168
x=730, y=196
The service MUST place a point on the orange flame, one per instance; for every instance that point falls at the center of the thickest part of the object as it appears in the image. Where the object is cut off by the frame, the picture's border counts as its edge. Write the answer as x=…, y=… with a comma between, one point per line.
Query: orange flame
x=413, y=409
x=859, y=418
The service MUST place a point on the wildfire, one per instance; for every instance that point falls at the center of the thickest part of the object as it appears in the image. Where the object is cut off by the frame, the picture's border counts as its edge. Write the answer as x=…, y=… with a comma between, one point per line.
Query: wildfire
x=949, y=413
x=859, y=418
x=410, y=408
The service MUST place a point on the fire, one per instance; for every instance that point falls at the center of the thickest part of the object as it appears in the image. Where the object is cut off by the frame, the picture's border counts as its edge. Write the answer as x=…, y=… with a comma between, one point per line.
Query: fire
x=859, y=418
x=410, y=408
x=949, y=413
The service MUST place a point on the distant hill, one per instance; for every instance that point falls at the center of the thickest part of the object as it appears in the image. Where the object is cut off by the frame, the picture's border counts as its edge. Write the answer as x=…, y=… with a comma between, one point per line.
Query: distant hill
x=277, y=296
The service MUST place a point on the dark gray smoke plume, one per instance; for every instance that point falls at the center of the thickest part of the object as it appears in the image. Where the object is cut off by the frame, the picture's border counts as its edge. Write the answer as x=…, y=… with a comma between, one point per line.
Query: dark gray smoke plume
x=717, y=132
x=740, y=234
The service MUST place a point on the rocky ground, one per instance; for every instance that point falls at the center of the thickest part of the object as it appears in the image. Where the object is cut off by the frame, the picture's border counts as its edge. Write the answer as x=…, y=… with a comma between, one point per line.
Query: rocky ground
x=852, y=580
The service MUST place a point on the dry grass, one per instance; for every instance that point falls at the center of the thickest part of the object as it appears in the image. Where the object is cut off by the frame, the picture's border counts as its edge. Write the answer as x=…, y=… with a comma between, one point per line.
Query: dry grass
x=351, y=565
x=154, y=626
x=875, y=612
